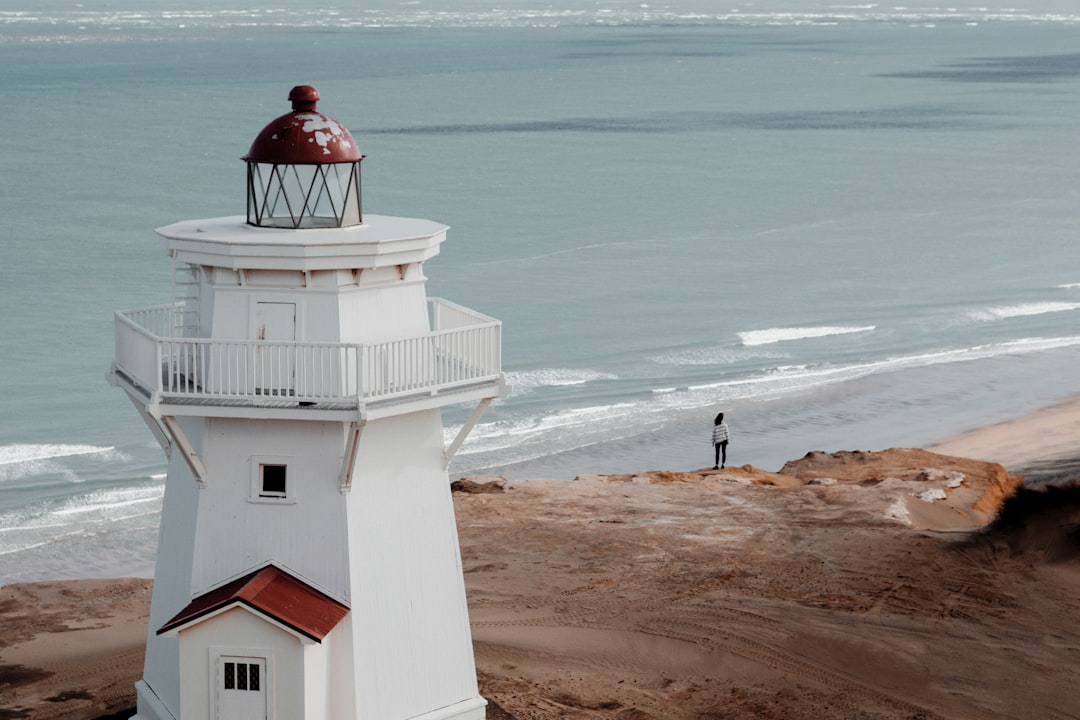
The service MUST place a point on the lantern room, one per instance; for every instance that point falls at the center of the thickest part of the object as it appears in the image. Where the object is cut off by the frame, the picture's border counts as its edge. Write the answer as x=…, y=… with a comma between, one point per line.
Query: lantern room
x=303, y=170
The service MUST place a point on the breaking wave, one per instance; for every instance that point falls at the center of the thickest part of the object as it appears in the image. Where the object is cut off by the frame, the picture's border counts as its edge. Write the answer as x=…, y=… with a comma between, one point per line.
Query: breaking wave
x=526, y=436
x=1023, y=310
x=51, y=522
x=775, y=335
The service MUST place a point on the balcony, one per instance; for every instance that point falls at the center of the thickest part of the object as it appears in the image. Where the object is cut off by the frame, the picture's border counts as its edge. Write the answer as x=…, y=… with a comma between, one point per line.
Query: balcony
x=459, y=360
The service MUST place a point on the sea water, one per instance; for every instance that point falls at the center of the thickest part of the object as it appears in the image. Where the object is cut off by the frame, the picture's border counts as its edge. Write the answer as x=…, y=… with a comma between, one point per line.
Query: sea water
x=846, y=226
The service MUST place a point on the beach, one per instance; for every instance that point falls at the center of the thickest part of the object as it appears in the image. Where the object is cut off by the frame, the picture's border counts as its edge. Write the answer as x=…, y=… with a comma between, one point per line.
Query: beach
x=1051, y=435
x=852, y=584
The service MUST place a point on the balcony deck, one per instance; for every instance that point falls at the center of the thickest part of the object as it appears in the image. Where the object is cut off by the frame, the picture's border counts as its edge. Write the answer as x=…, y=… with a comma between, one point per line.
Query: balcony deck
x=459, y=360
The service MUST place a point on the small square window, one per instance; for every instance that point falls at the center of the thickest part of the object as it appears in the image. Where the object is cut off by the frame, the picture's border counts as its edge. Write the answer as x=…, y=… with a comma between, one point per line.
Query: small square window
x=272, y=481
x=230, y=676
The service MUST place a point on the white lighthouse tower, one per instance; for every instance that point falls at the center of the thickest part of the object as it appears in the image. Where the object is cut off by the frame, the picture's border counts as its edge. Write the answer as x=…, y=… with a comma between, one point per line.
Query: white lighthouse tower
x=308, y=563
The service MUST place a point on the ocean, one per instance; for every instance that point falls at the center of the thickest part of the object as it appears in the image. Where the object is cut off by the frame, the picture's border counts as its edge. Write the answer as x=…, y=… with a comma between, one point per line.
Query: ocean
x=847, y=226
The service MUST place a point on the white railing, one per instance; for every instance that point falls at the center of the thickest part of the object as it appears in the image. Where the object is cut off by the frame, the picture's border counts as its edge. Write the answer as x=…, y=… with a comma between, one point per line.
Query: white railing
x=464, y=348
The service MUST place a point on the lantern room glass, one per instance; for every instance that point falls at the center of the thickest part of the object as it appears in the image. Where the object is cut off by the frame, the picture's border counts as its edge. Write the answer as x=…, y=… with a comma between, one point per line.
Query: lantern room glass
x=303, y=196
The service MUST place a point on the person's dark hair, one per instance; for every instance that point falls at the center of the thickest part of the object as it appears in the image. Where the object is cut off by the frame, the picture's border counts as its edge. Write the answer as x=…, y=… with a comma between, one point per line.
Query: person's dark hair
x=719, y=419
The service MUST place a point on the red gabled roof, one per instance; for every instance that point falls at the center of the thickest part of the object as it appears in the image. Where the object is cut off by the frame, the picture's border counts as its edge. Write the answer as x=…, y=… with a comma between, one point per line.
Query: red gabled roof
x=274, y=593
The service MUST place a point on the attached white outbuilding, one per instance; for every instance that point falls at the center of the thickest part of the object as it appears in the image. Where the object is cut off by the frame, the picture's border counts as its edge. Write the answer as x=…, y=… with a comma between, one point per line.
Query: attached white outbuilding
x=262, y=646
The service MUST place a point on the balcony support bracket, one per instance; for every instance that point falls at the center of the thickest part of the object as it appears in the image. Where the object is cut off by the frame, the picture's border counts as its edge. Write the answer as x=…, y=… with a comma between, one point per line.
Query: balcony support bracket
x=151, y=422
x=463, y=433
x=352, y=444
x=190, y=455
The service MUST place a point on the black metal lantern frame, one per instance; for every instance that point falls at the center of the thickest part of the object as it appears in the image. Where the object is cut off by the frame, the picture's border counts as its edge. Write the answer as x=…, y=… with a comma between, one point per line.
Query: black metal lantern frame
x=304, y=196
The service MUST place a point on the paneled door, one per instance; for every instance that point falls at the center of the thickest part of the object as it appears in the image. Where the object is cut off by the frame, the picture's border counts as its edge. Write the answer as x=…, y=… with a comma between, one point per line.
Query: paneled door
x=275, y=361
x=241, y=688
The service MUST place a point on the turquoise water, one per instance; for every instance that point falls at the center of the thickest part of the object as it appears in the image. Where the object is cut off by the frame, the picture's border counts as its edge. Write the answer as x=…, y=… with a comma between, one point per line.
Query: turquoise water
x=848, y=227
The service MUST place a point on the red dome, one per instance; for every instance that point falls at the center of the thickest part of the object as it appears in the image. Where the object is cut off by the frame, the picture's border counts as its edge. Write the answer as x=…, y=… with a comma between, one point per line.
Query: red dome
x=304, y=136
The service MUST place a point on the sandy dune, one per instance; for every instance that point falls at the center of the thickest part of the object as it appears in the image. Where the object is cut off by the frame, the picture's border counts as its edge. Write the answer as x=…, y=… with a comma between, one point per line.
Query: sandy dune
x=720, y=600
x=855, y=585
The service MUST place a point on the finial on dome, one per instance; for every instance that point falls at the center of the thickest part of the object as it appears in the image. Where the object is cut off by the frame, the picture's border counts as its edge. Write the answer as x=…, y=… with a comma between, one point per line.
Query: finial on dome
x=303, y=98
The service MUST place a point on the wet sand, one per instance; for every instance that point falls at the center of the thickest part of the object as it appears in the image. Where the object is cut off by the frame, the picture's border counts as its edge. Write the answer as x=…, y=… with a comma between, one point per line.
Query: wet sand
x=860, y=585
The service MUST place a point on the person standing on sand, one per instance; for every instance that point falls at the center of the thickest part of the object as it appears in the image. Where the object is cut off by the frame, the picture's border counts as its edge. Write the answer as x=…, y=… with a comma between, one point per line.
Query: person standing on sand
x=720, y=437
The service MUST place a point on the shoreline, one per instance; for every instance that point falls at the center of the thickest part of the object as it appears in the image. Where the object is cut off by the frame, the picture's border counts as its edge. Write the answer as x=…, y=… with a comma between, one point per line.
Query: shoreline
x=1045, y=436
x=615, y=554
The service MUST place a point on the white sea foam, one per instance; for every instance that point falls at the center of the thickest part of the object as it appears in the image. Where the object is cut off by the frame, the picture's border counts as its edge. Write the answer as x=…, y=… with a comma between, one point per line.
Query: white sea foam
x=31, y=542
x=88, y=24
x=519, y=432
x=714, y=356
x=103, y=504
x=525, y=381
x=775, y=335
x=18, y=462
x=54, y=522
x=10, y=454
x=1069, y=286
x=1024, y=310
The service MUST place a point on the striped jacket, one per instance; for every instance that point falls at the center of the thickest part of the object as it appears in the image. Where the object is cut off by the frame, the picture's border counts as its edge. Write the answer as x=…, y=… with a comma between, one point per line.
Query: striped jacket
x=720, y=434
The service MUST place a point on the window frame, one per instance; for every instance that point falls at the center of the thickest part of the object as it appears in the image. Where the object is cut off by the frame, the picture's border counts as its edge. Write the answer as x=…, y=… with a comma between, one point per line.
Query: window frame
x=258, y=492
x=242, y=676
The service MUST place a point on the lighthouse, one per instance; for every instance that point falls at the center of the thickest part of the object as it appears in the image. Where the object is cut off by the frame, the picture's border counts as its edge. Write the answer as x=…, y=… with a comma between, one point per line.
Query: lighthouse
x=308, y=563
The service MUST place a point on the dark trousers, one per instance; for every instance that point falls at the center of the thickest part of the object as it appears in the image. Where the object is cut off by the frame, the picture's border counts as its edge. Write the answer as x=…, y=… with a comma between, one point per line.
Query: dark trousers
x=721, y=453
